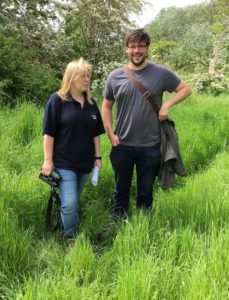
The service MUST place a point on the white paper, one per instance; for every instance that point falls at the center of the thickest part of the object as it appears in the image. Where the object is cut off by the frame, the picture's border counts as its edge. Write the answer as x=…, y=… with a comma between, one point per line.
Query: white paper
x=95, y=176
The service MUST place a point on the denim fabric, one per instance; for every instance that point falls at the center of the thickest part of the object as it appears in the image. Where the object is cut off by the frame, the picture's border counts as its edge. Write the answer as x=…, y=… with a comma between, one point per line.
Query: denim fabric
x=147, y=162
x=70, y=187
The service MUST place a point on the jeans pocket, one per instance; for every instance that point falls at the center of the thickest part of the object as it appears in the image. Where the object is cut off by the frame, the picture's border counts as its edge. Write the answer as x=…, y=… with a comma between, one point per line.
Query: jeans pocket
x=115, y=156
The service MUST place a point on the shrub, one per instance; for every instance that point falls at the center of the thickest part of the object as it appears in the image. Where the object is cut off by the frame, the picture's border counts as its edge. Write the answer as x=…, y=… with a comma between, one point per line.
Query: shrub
x=101, y=73
x=215, y=84
x=21, y=75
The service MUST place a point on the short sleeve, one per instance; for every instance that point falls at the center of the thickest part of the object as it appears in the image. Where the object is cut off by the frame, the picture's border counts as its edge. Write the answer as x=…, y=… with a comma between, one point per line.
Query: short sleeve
x=108, y=90
x=99, y=129
x=51, y=115
x=171, y=80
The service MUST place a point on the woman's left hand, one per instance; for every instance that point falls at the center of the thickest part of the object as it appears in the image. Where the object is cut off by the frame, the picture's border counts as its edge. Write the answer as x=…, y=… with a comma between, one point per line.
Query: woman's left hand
x=98, y=163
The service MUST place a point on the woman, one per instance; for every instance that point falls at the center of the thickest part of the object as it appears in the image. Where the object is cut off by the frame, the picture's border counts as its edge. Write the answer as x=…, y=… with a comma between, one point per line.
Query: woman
x=71, y=129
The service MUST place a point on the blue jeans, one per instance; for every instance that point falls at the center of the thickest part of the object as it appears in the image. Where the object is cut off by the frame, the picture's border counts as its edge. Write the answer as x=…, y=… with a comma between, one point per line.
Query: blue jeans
x=147, y=162
x=70, y=187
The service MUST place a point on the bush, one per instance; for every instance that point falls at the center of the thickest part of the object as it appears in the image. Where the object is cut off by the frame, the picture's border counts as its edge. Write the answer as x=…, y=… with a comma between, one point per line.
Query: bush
x=101, y=73
x=215, y=84
x=21, y=75
x=39, y=82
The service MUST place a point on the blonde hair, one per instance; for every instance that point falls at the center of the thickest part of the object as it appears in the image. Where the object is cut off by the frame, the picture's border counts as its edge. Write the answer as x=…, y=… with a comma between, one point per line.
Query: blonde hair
x=74, y=69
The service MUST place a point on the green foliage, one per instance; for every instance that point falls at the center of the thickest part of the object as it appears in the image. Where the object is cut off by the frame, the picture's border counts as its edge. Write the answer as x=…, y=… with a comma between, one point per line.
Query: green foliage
x=45, y=35
x=97, y=28
x=201, y=135
x=172, y=23
x=38, y=39
x=26, y=33
x=165, y=254
x=39, y=82
x=161, y=49
x=21, y=75
x=215, y=84
x=216, y=80
x=196, y=42
x=102, y=71
x=33, y=23
x=193, y=50
x=200, y=192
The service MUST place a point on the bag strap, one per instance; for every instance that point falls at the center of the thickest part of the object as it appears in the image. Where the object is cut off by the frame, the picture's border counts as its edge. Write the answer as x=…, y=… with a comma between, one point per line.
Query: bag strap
x=146, y=94
x=53, y=211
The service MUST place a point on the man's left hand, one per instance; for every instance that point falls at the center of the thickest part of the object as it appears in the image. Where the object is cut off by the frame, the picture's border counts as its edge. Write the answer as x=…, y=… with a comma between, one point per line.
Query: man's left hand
x=163, y=112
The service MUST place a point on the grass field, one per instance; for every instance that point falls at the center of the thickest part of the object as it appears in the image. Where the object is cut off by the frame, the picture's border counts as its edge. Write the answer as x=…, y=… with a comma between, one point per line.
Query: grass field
x=178, y=251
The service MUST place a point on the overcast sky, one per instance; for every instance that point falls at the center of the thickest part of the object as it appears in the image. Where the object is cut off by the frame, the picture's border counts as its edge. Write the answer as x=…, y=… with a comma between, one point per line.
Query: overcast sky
x=150, y=12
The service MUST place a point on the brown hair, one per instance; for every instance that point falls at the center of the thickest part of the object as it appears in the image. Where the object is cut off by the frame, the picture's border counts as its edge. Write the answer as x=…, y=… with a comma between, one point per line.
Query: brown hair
x=74, y=68
x=137, y=35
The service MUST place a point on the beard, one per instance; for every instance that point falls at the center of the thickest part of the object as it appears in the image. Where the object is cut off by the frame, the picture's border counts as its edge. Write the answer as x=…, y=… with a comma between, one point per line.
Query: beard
x=137, y=64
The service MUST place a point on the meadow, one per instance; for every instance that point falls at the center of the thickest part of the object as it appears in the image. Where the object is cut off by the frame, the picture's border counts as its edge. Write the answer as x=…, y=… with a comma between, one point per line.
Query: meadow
x=178, y=251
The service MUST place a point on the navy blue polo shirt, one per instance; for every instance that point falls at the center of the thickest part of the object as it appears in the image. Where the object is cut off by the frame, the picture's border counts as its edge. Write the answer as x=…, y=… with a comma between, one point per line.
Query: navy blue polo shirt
x=73, y=129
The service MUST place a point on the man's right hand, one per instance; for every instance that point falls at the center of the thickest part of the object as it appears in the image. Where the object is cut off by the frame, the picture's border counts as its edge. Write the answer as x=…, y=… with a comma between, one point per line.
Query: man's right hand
x=47, y=168
x=114, y=140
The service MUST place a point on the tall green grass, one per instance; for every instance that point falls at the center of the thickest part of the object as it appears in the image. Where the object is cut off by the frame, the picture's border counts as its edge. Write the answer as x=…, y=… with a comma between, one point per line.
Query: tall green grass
x=202, y=124
x=178, y=251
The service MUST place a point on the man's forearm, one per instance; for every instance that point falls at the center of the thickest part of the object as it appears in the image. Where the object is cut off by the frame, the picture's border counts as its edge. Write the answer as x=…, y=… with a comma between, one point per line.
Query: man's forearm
x=107, y=118
x=182, y=92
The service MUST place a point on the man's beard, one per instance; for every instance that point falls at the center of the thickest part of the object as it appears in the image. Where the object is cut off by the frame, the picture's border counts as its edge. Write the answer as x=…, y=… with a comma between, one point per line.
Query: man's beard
x=139, y=63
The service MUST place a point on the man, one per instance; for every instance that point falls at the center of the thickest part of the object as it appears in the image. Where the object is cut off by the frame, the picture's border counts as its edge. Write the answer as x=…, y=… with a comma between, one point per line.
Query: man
x=136, y=139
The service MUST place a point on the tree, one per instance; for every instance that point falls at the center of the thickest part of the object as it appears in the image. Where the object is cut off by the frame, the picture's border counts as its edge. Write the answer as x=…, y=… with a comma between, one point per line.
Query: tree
x=172, y=23
x=39, y=37
x=193, y=51
x=97, y=27
x=21, y=75
x=31, y=21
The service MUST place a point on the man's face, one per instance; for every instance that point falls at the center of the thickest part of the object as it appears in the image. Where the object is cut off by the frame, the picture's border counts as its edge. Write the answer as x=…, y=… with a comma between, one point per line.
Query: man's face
x=137, y=52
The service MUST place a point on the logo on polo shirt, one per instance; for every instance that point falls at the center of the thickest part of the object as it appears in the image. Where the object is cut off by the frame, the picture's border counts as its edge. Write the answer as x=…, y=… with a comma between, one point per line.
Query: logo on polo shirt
x=94, y=117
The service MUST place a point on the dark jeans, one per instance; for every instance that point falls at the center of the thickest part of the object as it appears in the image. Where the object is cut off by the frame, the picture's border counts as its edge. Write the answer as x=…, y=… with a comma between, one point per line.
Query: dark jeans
x=147, y=161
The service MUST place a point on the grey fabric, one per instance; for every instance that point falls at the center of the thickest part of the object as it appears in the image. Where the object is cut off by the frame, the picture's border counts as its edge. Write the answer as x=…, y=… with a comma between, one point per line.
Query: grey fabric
x=171, y=161
x=136, y=123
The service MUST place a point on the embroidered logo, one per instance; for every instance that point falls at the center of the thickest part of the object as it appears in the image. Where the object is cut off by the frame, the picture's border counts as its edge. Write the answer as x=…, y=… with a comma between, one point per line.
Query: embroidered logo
x=94, y=117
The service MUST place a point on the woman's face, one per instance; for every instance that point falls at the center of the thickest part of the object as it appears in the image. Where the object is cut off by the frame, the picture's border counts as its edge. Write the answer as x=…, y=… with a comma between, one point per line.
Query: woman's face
x=81, y=82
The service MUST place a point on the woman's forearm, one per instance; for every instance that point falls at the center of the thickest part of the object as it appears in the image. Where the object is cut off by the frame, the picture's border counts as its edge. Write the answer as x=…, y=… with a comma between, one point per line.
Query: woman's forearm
x=98, y=158
x=48, y=147
x=97, y=146
x=48, y=155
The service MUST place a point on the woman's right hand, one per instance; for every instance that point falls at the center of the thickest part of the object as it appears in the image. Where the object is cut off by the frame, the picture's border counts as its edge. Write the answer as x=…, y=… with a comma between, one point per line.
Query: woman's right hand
x=47, y=167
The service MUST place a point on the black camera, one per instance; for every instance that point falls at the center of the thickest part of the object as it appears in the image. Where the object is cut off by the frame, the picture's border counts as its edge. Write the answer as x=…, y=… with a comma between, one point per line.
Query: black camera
x=53, y=179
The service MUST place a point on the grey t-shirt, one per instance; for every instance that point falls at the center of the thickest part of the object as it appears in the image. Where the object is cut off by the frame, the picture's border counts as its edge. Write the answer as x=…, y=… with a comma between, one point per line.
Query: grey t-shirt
x=136, y=121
